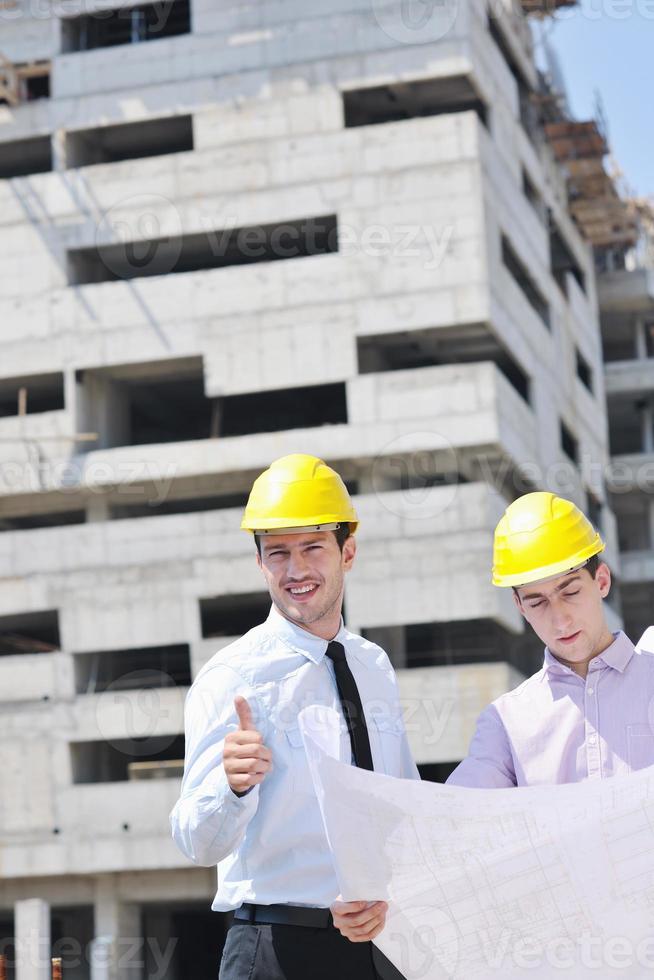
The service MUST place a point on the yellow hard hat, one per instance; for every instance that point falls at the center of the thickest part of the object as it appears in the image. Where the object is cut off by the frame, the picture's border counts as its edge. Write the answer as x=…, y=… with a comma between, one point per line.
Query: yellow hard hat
x=295, y=493
x=540, y=536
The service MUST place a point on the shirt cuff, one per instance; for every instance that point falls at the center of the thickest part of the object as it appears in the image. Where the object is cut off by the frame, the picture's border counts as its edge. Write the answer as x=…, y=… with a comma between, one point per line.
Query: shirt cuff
x=225, y=796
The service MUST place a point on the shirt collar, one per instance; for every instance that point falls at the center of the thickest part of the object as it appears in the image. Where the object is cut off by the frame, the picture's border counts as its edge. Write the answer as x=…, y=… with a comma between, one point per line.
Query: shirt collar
x=310, y=646
x=617, y=656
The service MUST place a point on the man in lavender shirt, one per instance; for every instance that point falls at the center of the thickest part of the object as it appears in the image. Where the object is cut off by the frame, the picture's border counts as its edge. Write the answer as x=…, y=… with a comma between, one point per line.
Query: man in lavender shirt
x=589, y=712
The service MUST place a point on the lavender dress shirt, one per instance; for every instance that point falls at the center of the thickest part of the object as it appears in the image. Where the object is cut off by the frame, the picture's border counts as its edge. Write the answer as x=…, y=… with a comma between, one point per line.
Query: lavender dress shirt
x=557, y=727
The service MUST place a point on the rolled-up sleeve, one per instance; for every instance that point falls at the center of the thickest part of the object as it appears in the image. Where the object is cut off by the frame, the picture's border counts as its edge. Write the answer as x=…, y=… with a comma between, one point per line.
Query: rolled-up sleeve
x=489, y=764
x=208, y=821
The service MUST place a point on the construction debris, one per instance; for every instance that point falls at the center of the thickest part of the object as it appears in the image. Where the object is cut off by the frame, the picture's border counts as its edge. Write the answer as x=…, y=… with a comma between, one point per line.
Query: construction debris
x=23, y=82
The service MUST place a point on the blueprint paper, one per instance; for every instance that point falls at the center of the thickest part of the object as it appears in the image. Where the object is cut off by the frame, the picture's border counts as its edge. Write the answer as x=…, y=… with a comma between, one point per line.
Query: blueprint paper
x=543, y=881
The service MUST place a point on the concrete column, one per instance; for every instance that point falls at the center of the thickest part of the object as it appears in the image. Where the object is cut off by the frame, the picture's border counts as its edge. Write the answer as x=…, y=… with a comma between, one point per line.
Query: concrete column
x=97, y=509
x=32, y=928
x=117, y=951
x=102, y=407
x=59, y=161
x=640, y=338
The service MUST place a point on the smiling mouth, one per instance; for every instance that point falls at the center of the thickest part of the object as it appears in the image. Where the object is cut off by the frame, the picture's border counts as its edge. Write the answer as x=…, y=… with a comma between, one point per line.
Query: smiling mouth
x=302, y=592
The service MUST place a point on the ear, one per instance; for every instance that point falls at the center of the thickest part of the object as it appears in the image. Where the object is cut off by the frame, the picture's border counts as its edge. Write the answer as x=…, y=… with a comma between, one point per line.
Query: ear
x=518, y=602
x=258, y=558
x=349, y=551
x=603, y=579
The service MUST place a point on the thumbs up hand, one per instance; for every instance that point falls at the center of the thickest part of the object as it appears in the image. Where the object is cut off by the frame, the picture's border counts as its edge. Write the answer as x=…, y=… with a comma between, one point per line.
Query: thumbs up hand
x=245, y=758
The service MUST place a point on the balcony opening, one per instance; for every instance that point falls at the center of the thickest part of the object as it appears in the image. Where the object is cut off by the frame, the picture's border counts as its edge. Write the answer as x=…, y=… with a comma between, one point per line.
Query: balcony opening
x=187, y=505
x=233, y=615
x=631, y=429
x=584, y=371
x=411, y=100
x=569, y=443
x=71, y=934
x=133, y=25
x=563, y=262
x=145, y=404
x=208, y=250
x=198, y=935
x=164, y=401
x=637, y=603
x=648, y=330
x=534, y=196
x=33, y=522
x=8, y=942
x=632, y=513
x=469, y=344
x=20, y=158
x=129, y=141
x=277, y=411
x=36, y=632
x=122, y=759
x=457, y=642
x=31, y=394
x=134, y=669
x=528, y=112
x=595, y=510
x=618, y=339
x=525, y=282
x=37, y=86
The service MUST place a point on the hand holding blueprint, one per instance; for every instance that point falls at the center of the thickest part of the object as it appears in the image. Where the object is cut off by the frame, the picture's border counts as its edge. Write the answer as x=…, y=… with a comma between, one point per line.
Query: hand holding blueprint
x=544, y=881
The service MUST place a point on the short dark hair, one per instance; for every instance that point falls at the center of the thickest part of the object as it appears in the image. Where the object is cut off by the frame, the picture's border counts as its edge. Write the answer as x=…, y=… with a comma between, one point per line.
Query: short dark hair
x=591, y=567
x=342, y=533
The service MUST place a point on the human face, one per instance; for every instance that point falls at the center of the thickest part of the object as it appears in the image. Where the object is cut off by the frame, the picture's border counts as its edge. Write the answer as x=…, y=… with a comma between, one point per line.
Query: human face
x=305, y=575
x=567, y=614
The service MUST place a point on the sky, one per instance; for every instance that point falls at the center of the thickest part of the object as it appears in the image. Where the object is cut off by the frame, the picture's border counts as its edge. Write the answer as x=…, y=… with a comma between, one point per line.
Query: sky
x=607, y=47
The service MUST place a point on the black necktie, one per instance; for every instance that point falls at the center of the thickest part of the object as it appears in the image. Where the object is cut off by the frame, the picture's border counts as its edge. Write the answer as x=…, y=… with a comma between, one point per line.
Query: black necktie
x=352, y=707
x=356, y=726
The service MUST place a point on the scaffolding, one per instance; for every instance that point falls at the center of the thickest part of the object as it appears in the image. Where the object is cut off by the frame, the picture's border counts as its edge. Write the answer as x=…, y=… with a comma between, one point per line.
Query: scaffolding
x=605, y=218
x=642, y=255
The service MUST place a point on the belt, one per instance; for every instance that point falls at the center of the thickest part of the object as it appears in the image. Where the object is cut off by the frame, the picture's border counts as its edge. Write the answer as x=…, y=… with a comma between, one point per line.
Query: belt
x=284, y=915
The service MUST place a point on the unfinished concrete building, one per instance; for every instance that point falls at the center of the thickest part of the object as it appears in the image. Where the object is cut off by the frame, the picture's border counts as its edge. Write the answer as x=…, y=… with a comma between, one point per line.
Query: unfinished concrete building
x=231, y=231
x=626, y=294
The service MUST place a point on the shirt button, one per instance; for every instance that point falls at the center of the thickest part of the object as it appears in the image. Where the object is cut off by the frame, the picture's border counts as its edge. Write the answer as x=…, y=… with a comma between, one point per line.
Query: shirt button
x=591, y=690
x=592, y=739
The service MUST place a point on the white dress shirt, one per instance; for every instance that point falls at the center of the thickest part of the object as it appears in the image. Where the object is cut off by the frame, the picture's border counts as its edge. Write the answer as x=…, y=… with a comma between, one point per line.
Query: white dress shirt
x=270, y=845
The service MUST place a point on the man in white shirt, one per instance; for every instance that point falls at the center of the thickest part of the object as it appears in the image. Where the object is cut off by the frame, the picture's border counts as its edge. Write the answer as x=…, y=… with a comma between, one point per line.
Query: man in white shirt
x=247, y=801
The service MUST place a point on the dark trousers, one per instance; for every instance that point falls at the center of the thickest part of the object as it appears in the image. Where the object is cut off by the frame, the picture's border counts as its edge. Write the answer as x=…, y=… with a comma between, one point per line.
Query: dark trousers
x=263, y=952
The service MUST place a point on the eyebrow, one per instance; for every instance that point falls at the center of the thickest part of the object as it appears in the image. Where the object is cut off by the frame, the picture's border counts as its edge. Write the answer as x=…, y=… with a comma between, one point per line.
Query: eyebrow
x=271, y=546
x=559, y=588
